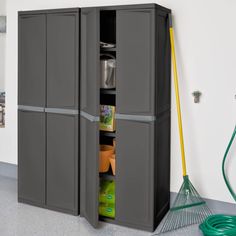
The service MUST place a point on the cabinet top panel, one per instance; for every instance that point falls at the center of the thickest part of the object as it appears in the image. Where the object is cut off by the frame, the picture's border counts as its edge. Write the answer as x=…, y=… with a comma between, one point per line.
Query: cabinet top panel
x=115, y=7
x=134, y=6
x=48, y=11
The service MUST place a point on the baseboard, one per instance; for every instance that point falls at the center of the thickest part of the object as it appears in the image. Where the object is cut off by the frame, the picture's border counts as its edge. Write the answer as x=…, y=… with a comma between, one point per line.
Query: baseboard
x=8, y=170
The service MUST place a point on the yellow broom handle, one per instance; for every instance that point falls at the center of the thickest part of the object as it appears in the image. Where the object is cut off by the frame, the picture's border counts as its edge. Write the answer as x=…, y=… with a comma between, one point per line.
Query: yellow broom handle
x=178, y=101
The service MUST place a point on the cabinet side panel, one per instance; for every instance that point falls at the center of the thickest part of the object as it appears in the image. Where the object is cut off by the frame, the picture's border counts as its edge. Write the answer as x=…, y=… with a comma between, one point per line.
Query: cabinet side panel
x=163, y=64
x=162, y=168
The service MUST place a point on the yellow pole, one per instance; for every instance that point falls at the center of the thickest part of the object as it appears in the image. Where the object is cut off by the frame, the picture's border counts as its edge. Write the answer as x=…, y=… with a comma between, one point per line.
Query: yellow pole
x=178, y=100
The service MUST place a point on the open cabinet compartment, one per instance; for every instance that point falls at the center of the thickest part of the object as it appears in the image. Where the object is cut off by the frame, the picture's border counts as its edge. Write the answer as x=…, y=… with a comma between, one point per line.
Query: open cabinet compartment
x=108, y=103
x=141, y=51
x=108, y=26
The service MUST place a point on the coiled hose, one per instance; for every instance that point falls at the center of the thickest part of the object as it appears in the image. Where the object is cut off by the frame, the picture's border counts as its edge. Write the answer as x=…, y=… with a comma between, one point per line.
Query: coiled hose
x=221, y=225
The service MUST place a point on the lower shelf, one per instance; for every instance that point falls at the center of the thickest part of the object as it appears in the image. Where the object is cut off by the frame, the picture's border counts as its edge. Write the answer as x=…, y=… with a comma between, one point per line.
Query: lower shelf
x=108, y=134
x=107, y=219
x=106, y=176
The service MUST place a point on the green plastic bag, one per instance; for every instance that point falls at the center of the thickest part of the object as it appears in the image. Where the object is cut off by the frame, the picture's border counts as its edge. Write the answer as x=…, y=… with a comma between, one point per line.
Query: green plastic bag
x=107, y=192
x=107, y=210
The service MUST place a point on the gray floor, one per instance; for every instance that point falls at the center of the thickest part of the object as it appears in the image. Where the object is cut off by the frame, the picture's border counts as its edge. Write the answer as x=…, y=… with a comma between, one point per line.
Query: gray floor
x=18, y=219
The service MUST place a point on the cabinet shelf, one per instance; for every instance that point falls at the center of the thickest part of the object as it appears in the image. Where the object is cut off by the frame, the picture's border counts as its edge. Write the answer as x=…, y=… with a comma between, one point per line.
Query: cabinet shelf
x=107, y=219
x=107, y=176
x=107, y=49
x=108, y=91
x=108, y=134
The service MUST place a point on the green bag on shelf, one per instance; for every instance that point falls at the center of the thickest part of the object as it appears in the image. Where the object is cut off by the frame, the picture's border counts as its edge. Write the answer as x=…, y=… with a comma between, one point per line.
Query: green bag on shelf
x=107, y=210
x=107, y=192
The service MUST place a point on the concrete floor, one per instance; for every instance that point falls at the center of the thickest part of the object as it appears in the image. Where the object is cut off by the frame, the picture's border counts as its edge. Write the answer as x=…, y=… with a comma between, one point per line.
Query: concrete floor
x=17, y=219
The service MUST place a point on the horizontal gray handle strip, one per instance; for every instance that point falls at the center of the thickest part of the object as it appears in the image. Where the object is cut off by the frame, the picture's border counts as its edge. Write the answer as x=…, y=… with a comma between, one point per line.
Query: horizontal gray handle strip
x=135, y=117
x=62, y=111
x=89, y=117
x=30, y=108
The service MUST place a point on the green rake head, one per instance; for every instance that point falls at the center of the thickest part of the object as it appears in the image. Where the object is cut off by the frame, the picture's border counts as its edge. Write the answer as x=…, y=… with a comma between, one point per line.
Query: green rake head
x=188, y=208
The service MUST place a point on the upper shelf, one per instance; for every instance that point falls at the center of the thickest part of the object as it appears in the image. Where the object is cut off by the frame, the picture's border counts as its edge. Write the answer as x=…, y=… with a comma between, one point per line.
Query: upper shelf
x=107, y=176
x=108, y=134
x=108, y=49
x=108, y=91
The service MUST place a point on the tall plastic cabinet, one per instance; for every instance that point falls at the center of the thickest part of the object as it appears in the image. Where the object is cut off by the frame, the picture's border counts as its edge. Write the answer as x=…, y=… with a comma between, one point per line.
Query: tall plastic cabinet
x=48, y=108
x=142, y=100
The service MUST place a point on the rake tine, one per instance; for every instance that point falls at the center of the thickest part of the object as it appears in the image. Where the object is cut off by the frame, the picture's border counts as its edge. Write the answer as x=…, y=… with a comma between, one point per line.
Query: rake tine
x=189, y=208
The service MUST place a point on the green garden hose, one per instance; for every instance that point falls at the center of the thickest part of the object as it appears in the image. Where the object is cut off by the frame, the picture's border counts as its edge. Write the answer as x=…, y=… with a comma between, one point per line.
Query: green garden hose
x=221, y=225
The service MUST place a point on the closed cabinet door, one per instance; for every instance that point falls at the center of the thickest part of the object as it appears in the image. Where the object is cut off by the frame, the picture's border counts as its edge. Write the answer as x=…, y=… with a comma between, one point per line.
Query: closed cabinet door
x=134, y=173
x=90, y=61
x=62, y=162
x=63, y=60
x=32, y=60
x=31, y=157
x=135, y=55
x=89, y=178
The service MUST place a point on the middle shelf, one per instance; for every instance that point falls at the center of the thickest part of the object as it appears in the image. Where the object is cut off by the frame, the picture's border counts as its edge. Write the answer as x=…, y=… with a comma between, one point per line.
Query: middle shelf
x=108, y=91
x=108, y=134
x=111, y=49
x=107, y=176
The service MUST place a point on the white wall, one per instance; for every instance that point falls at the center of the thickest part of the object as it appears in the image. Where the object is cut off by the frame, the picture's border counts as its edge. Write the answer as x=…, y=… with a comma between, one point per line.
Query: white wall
x=2, y=49
x=206, y=49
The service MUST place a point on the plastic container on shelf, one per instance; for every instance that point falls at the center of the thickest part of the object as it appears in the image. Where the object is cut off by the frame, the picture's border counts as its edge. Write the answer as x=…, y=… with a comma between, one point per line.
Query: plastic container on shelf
x=113, y=163
x=107, y=70
x=106, y=152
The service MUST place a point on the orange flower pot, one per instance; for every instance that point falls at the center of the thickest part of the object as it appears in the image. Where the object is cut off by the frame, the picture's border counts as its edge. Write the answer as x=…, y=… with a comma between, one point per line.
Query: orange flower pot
x=105, y=153
x=113, y=163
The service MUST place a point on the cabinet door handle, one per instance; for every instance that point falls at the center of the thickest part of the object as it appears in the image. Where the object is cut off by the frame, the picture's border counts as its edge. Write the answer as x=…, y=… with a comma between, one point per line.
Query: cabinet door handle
x=31, y=108
x=135, y=117
x=62, y=111
x=89, y=117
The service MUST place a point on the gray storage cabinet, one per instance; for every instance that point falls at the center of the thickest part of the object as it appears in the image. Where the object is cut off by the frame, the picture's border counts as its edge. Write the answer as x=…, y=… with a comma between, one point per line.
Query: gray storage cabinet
x=142, y=99
x=48, y=104
x=52, y=134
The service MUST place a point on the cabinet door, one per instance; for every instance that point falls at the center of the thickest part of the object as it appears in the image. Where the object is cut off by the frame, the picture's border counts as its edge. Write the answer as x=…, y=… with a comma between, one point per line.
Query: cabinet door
x=90, y=72
x=31, y=157
x=32, y=60
x=134, y=173
x=63, y=60
x=89, y=178
x=62, y=162
x=135, y=70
